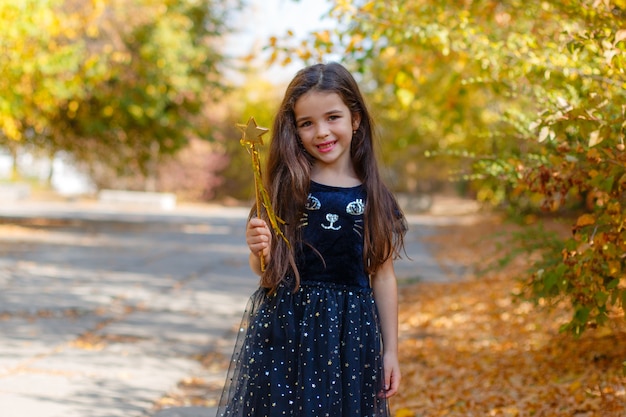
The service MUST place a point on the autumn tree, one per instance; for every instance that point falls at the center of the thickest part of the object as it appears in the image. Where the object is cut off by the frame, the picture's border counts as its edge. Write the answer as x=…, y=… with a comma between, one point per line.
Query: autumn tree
x=528, y=96
x=41, y=54
x=117, y=84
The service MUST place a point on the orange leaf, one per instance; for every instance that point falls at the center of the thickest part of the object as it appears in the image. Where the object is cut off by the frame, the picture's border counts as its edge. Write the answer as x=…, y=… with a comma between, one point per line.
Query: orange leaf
x=405, y=412
x=585, y=220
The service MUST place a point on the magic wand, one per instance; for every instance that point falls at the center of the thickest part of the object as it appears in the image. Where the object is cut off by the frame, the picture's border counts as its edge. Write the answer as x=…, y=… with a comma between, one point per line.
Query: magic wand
x=251, y=136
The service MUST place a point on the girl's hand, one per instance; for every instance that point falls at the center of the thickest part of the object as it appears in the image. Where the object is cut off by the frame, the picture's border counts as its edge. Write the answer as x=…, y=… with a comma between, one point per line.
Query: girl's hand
x=392, y=376
x=259, y=238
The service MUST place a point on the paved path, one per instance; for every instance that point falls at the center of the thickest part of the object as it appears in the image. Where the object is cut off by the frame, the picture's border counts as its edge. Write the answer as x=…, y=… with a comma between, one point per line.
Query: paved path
x=105, y=310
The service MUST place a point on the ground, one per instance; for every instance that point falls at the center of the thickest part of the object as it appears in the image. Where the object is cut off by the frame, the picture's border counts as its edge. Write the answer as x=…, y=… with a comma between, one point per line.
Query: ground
x=471, y=348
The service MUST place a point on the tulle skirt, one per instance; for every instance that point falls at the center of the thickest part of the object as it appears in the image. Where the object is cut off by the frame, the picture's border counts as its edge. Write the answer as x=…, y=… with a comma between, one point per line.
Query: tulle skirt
x=313, y=353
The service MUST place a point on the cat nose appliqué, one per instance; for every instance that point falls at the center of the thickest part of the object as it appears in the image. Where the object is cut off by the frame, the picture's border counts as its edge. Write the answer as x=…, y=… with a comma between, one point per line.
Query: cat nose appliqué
x=332, y=219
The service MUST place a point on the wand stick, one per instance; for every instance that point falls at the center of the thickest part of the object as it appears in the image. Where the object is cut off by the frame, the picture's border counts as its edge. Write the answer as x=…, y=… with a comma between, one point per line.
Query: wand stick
x=251, y=136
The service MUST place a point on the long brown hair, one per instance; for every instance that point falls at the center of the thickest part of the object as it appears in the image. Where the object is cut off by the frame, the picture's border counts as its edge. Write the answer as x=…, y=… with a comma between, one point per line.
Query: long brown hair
x=289, y=171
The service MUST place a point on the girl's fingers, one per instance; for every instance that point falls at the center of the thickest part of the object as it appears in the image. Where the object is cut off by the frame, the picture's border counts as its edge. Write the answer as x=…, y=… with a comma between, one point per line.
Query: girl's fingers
x=257, y=227
x=258, y=246
x=392, y=382
x=256, y=222
x=258, y=235
x=393, y=390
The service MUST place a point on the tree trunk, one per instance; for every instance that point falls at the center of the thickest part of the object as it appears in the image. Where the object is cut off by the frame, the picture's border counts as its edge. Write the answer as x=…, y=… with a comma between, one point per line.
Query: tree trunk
x=15, y=172
x=153, y=167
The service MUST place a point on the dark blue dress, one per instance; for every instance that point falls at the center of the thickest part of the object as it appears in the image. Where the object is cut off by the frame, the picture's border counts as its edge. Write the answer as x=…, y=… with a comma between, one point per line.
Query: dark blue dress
x=316, y=352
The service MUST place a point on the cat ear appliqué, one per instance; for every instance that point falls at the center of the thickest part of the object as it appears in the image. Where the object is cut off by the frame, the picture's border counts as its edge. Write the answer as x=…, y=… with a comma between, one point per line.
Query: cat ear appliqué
x=312, y=203
x=356, y=208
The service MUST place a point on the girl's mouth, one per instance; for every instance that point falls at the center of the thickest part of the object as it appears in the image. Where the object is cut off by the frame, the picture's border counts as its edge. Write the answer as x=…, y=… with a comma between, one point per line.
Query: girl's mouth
x=326, y=147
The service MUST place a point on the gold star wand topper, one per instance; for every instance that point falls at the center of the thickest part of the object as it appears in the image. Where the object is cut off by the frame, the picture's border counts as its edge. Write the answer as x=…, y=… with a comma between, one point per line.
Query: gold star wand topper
x=251, y=136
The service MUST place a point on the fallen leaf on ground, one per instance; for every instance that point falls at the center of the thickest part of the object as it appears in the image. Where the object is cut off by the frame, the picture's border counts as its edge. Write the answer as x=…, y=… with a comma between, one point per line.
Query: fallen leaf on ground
x=469, y=348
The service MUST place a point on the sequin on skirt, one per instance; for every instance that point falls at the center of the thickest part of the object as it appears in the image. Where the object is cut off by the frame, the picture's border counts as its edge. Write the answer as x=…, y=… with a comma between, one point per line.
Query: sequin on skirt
x=312, y=353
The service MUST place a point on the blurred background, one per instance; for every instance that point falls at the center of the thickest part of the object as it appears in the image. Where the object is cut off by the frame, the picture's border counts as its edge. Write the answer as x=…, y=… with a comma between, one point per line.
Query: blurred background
x=494, y=101
x=503, y=109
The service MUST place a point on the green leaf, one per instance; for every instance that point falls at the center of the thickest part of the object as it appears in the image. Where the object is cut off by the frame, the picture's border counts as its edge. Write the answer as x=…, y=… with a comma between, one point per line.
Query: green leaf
x=601, y=298
x=550, y=281
x=613, y=284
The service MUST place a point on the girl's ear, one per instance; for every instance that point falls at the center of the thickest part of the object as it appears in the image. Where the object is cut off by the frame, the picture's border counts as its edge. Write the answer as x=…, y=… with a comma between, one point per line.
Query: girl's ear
x=356, y=121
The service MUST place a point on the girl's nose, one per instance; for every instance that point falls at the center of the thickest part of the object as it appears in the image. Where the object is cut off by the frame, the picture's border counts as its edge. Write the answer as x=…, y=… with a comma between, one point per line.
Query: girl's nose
x=322, y=130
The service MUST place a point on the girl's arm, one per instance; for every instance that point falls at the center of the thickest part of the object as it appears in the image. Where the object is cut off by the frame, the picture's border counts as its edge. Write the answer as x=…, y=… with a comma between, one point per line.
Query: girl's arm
x=386, y=296
x=258, y=238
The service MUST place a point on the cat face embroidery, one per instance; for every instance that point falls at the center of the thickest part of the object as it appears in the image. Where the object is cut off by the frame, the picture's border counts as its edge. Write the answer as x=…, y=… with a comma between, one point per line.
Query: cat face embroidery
x=354, y=208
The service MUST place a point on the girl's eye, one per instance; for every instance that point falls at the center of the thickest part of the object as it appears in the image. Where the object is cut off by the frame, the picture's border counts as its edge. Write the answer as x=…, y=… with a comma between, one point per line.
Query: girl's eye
x=304, y=124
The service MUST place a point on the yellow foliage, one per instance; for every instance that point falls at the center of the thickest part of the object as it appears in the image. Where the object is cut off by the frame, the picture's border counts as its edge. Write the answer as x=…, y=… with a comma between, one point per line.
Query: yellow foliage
x=323, y=36
x=404, y=412
x=10, y=127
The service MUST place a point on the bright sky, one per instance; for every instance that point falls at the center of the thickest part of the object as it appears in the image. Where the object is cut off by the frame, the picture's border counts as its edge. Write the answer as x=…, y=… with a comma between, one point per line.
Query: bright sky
x=265, y=18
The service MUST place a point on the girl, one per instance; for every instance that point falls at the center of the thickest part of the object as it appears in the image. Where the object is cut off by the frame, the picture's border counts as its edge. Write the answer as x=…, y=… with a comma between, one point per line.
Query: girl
x=319, y=338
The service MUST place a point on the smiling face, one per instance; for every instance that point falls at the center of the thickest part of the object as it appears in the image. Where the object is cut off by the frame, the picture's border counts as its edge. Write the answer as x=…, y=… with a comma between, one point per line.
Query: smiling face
x=324, y=124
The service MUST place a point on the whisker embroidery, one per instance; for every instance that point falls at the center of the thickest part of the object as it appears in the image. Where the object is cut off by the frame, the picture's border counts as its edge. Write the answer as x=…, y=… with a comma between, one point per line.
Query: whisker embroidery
x=358, y=228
